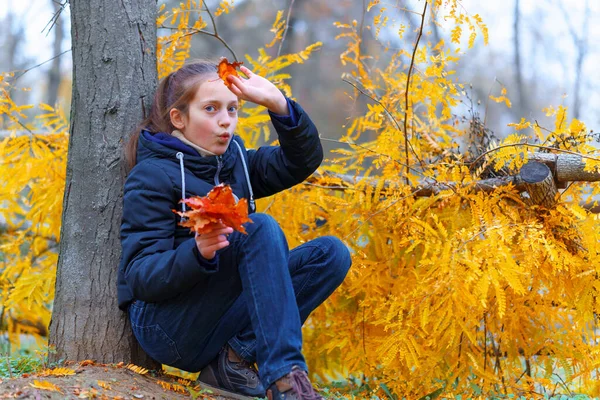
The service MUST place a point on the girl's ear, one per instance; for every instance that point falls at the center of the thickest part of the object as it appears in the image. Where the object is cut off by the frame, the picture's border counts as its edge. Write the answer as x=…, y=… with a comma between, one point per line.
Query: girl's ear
x=176, y=118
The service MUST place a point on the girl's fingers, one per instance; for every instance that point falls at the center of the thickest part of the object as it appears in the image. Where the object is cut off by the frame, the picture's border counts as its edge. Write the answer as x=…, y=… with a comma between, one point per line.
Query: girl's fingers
x=235, y=90
x=215, y=247
x=207, y=240
x=210, y=251
x=246, y=71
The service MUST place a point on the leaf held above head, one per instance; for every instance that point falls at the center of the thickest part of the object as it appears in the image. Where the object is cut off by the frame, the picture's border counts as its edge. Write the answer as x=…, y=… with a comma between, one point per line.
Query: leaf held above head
x=218, y=206
x=225, y=68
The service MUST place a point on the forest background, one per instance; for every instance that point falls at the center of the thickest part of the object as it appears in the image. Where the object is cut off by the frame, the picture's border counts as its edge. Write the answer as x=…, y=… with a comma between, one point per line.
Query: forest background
x=407, y=334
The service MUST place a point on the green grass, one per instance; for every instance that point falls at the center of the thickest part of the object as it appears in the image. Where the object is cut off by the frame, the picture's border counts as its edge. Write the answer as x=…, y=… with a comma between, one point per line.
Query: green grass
x=20, y=364
x=26, y=360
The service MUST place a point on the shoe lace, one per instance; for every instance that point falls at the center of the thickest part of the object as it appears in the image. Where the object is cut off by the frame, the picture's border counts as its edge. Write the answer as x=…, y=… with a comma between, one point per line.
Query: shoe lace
x=246, y=366
x=302, y=386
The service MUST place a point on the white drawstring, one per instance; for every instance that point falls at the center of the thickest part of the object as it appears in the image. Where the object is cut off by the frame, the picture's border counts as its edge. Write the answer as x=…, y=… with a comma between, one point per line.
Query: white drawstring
x=252, y=205
x=179, y=155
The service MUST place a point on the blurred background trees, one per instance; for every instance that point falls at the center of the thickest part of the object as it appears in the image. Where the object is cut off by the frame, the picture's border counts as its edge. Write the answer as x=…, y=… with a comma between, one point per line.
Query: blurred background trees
x=543, y=52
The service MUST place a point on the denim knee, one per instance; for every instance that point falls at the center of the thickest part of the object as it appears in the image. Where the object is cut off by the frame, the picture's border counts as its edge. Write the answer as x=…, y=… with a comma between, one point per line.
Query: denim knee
x=262, y=224
x=339, y=260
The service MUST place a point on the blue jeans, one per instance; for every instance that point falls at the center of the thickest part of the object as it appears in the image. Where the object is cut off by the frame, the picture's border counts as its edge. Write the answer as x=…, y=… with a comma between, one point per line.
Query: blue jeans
x=256, y=303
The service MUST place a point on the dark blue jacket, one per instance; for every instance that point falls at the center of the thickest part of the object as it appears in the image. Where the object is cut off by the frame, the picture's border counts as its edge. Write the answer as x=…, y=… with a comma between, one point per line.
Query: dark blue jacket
x=159, y=258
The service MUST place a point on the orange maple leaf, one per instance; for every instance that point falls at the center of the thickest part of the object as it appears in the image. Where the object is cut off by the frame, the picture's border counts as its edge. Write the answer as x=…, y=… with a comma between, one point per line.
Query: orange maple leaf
x=226, y=68
x=218, y=206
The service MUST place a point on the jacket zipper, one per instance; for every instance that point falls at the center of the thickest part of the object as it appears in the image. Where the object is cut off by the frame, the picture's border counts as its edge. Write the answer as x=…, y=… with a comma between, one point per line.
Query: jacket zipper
x=219, y=165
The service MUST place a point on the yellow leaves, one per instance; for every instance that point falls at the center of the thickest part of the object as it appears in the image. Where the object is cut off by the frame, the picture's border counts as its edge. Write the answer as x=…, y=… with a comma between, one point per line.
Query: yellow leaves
x=33, y=170
x=162, y=16
x=372, y=4
x=380, y=21
x=473, y=23
x=55, y=120
x=31, y=288
x=456, y=34
x=136, y=369
x=278, y=28
x=502, y=98
x=521, y=125
x=58, y=371
x=45, y=385
x=104, y=385
x=224, y=7
x=254, y=121
x=174, y=49
x=173, y=387
x=184, y=382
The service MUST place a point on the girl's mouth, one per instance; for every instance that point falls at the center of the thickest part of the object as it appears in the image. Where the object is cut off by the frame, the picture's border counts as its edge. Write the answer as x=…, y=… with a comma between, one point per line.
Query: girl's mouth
x=223, y=138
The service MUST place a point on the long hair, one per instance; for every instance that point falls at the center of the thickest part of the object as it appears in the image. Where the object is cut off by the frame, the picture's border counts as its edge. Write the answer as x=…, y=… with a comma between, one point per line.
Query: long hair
x=176, y=90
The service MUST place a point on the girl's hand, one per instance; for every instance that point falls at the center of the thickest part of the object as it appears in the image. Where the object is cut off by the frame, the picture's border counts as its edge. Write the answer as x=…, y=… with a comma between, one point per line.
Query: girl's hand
x=216, y=239
x=258, y=90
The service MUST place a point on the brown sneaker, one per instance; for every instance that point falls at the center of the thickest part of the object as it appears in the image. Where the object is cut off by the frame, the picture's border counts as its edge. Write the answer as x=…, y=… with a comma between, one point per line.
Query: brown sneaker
x=293, y=386
x=232, y=379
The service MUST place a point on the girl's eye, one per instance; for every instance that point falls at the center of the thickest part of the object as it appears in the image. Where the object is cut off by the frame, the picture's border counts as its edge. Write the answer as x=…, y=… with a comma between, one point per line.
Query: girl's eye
x=232, y=109
x=209, y=108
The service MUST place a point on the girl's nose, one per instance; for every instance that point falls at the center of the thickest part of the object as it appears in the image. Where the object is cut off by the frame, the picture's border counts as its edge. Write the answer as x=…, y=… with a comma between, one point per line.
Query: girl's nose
x=224, y=120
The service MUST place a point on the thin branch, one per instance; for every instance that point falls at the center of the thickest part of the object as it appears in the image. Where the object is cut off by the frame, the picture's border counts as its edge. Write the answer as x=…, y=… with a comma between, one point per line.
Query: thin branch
x=39, y=65
x=344, y=188
x=389, y=114
x=408, y=76
x=24, y=127
x=362, y=21
x=216, y=34
x=483, y=231
x=370, y=150
x=287, y=26
x=563, y=383
x=487, y=101
x=380, y=211
x=193, y=31
x=56, y=15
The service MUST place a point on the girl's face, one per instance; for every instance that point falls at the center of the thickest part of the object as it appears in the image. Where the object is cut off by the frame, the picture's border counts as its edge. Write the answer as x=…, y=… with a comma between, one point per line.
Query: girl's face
x=211, y=118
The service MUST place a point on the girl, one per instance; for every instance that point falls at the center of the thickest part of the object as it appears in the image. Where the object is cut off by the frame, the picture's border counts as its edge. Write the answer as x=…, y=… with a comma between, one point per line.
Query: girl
x=222, y=301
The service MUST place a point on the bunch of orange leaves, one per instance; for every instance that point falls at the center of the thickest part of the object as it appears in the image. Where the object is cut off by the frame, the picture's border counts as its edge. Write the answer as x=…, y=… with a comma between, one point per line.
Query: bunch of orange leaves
x=225, y=68
x=219, y=206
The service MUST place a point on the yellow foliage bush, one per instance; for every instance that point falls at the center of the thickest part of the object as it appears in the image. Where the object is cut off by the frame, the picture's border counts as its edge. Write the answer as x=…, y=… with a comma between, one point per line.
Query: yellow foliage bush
x=461, y=292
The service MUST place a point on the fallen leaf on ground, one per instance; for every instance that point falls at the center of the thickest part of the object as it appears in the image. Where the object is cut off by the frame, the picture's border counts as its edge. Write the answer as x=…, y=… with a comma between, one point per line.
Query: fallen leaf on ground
x=45, y=385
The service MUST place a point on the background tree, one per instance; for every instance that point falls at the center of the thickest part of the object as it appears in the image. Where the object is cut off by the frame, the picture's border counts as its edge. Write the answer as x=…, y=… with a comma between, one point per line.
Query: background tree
x=54, y=74
x=114, y=75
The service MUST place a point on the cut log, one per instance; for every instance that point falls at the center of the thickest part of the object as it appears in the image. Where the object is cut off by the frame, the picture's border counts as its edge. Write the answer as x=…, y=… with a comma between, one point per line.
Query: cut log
x=566, y=167
x=539, y=184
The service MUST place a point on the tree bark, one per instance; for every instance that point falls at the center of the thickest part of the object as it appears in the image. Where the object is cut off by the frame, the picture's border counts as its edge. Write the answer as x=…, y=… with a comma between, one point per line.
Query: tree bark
x=114, y=75
x=566, y=167
x=539, y=183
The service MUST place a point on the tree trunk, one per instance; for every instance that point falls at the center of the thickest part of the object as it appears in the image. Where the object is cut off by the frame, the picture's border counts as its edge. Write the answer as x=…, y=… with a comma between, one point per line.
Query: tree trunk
x=54, y=72
x=581, y=43
x=114, y=75
x=521, y=110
